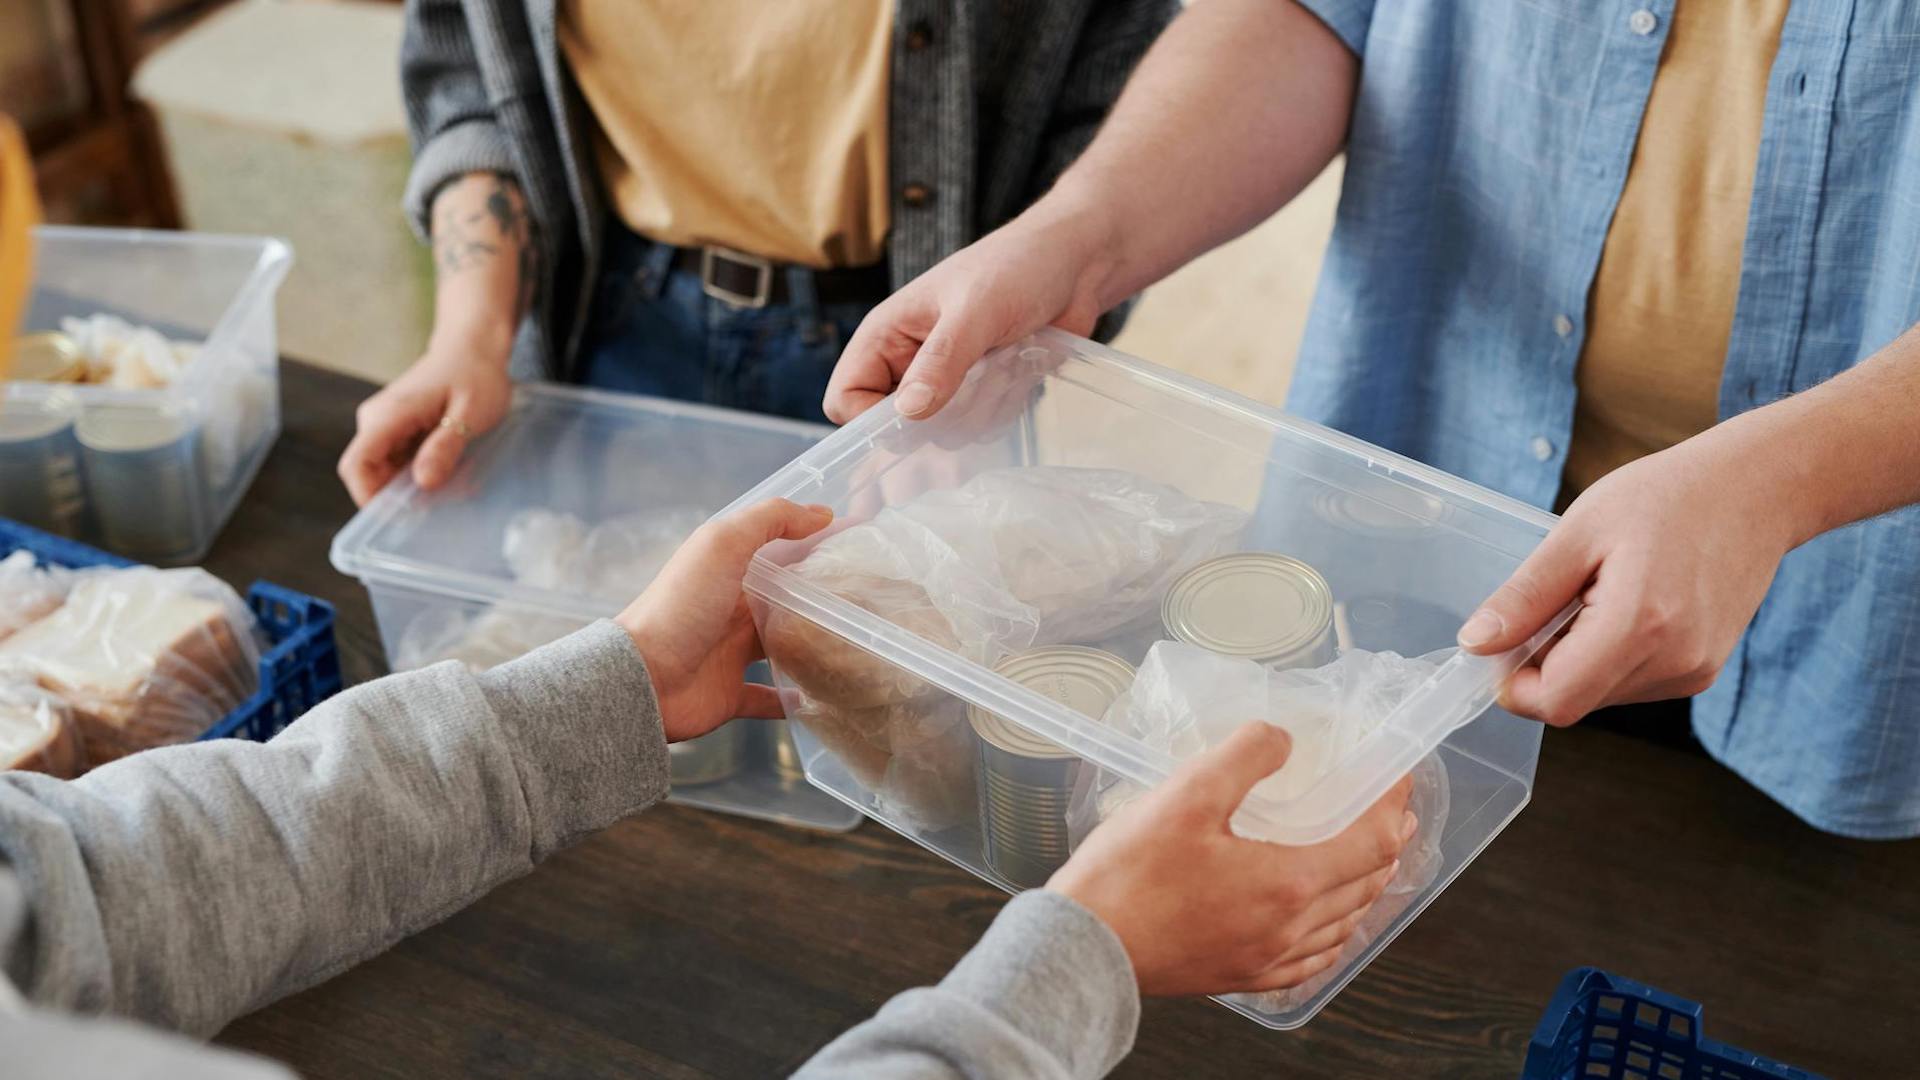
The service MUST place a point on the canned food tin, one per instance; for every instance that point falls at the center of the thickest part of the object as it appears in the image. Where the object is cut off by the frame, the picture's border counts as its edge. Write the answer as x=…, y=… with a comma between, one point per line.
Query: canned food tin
x=783, y=752
x=1272, y=609
x=143, y=479
x=1025, y=781
x=40, y=477
x=50, y=357
x=1383, y=510
x=709, y=759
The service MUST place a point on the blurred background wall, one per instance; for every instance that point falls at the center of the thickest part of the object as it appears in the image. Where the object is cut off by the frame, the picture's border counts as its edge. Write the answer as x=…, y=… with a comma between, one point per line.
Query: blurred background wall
x=283, y=117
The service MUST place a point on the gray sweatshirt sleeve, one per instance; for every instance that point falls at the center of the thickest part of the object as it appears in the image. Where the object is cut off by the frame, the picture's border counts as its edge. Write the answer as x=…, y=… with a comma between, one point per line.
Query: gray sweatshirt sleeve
x=188, y=885
x=1047, y=993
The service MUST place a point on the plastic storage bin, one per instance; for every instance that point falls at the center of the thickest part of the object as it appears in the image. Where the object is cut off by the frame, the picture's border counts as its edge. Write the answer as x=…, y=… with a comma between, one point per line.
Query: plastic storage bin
x=1604, y=1027
x=561, y=516
x=299, y=669
x=151, y=474
x=1405, y=551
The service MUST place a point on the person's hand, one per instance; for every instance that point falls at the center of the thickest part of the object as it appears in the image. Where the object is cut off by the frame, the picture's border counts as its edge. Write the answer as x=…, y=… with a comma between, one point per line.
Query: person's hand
x=1670, y=555
x=923, y=339
x=1202, y=911
x=692, y=625
x=457, y=390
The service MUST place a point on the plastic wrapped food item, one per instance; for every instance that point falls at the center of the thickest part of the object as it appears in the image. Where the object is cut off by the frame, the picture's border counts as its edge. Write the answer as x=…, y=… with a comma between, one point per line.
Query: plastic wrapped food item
x=917, y=757
x=28, y=591
x=1012, y=559
x=37, y=731
x=550, y=550
x=119, y=354
x=479, y=641
x=618, y=557
x=142, y=657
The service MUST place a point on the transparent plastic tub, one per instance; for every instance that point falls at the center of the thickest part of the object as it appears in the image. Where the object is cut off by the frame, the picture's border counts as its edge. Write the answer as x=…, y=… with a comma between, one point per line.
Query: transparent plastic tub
x=1406, y=551
x=561, y=516
x=151, y=474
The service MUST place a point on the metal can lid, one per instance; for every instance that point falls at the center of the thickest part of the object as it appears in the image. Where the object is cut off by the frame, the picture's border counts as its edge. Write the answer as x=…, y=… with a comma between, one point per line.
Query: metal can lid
x=1258, y=605
x=47, y=357
x=131, y=428
x=24, y=418
x=1084, y=680
x=1383, y=509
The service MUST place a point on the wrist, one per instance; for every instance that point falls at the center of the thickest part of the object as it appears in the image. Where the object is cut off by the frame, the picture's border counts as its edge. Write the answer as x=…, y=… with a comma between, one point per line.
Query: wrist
x=487, y=341
x=1756, y=454
x=1074, y=217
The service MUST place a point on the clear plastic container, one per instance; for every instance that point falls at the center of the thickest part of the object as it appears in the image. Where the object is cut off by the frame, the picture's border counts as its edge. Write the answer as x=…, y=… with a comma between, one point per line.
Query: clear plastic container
x=1406, y=551
x=561, y=516
x=151, y=474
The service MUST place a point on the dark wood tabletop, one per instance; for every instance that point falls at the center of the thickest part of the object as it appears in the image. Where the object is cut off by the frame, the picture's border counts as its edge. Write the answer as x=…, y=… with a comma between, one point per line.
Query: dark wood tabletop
x=682, y=943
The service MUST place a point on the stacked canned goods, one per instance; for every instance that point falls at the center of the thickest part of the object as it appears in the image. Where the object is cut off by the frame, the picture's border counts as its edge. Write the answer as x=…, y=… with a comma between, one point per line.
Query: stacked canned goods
x=1024, y=781
x=40, y=478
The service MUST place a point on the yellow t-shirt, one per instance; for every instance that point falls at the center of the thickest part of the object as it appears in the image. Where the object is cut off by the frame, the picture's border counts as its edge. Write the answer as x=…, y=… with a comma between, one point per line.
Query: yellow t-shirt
x=1662, y=303
x=740, y=123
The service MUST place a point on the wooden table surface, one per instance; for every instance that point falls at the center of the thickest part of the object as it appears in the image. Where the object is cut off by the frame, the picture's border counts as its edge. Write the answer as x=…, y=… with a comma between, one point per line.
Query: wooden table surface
x=688, y=944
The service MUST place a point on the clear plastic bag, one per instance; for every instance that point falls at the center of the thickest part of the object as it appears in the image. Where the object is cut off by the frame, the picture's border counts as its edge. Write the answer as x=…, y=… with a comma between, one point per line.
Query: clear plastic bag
x=548, y=549
x=142, y=657
x=29, y=592
x=1014, y=558
x=37, y=732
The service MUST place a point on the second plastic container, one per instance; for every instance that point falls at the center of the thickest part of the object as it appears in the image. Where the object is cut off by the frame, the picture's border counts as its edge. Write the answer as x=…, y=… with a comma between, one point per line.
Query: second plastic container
x=561, y=516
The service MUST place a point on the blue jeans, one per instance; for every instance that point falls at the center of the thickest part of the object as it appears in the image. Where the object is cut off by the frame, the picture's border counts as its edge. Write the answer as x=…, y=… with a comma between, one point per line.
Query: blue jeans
x=652, y=330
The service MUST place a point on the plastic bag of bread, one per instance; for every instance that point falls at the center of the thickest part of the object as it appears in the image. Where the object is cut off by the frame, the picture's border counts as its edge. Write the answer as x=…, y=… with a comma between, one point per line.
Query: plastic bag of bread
x=1013, y=558
x=37, y=732
x=28, y=591
x=142, y=657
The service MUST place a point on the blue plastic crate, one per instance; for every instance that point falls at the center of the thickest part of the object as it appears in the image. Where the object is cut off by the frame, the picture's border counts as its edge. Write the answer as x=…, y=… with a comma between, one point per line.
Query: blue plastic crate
x=300, y=668
x=1604, y=1027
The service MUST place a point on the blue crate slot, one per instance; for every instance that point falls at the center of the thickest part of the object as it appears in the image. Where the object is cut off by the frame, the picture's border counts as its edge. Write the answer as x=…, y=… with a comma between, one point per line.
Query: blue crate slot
x=1604, y=1027
x=299, y=669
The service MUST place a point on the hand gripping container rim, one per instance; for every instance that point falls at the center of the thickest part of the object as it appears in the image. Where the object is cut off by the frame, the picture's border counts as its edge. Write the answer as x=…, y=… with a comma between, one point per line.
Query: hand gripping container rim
x=299, y=670
x=353, y=551
x=1461, y=690
x=1566, y=1044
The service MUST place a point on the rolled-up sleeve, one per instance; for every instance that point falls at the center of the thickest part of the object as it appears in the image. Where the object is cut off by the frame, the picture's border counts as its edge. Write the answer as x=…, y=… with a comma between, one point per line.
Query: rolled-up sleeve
x=450, y=117
x=1347, y=18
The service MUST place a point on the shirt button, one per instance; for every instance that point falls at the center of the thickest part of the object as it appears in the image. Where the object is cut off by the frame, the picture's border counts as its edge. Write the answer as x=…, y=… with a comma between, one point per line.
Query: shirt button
x=916, y=195
x=919, y=36
x=1643, y=22
x=1562, y=325
x=1542, y=449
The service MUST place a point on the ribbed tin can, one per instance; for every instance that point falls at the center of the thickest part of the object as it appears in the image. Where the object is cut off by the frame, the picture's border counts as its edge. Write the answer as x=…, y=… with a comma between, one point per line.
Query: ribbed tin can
x=143, y=478
x=49, y=358
x=40, y=471
x=1025, y=781
x=709, y=759
x=1272, y=609
x=782, y=752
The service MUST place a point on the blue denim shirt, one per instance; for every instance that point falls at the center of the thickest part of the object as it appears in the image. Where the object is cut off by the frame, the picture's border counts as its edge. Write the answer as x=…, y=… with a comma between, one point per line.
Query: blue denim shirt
x=1489, y=143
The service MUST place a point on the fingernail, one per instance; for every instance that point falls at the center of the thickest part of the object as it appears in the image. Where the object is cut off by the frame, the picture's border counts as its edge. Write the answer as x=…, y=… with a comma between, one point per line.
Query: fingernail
x=915, y=398
x=1408, y=824
x=820, y=509
x=1480, y=629
x=1392, y=870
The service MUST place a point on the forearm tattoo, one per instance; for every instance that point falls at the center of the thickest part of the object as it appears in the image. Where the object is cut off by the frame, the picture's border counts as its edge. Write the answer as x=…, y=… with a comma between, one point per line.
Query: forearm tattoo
x=478, y=218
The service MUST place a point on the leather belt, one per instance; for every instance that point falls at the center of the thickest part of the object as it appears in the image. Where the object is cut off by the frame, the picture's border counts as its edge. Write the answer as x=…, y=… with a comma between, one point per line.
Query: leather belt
x=749, y=281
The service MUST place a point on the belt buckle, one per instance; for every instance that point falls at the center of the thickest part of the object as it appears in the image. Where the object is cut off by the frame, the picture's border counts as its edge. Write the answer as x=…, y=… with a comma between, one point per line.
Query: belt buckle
x=763, y=284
